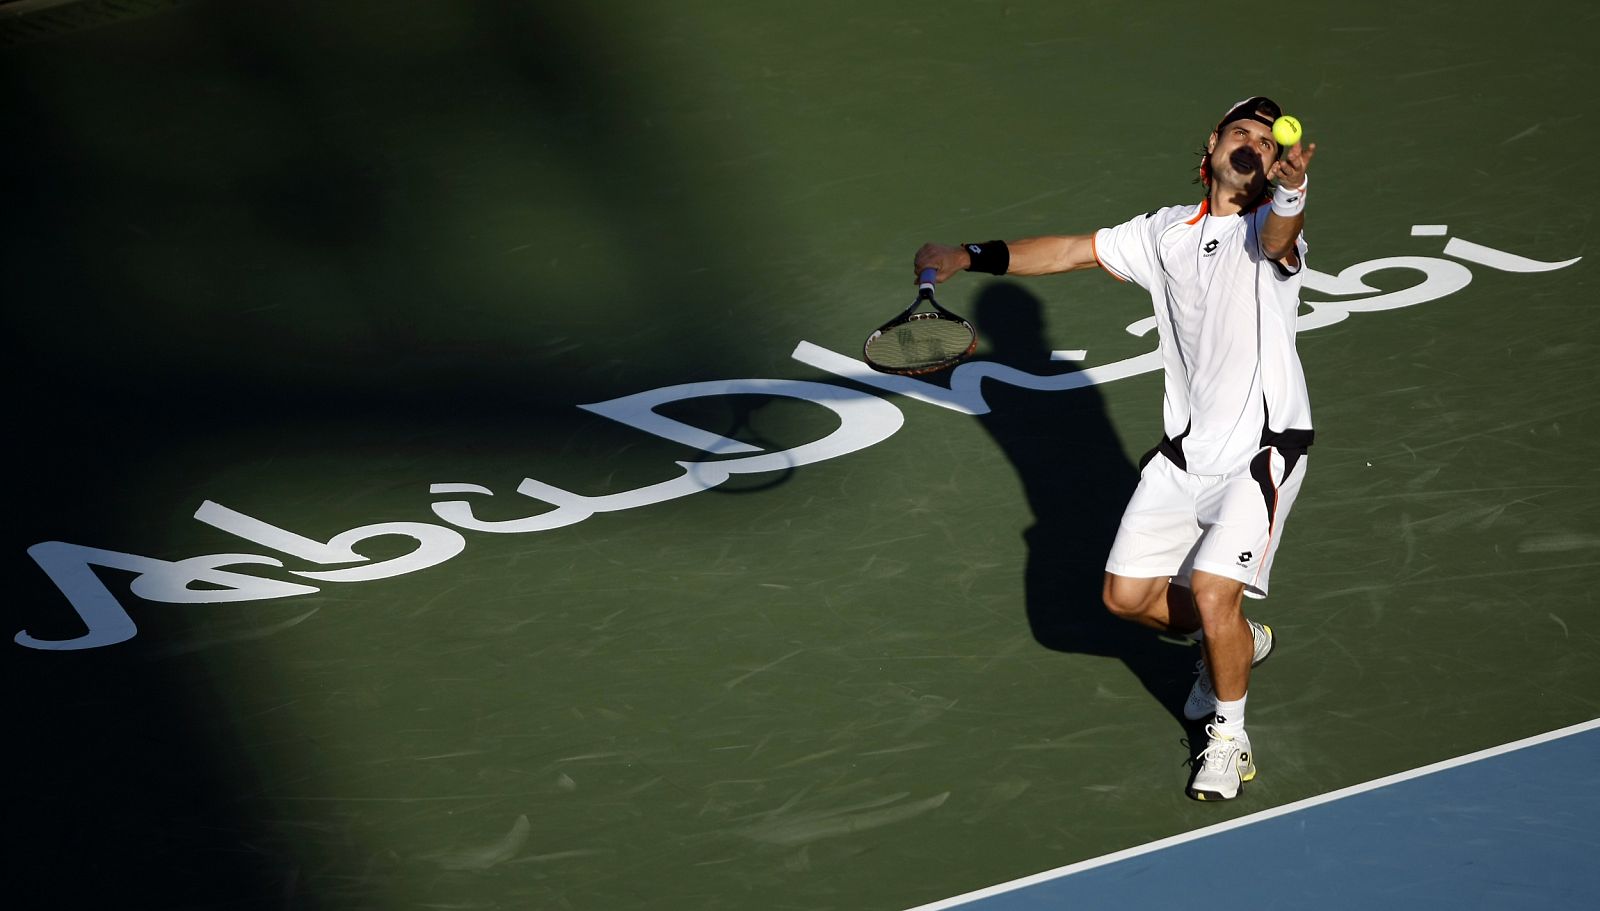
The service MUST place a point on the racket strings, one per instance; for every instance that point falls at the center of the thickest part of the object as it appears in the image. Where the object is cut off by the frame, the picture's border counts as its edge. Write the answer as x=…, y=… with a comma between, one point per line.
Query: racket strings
x=925, y=341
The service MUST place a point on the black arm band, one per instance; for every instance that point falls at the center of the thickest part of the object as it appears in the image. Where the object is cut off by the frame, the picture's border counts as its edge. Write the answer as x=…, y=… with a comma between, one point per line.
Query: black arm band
x=992, y=256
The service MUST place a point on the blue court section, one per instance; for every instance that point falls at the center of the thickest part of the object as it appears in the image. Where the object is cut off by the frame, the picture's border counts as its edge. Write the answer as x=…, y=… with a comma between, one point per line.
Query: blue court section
x=1516, y=830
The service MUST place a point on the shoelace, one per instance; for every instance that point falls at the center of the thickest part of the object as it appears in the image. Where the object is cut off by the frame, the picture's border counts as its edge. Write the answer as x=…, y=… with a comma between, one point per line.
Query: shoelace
x=1219, y=752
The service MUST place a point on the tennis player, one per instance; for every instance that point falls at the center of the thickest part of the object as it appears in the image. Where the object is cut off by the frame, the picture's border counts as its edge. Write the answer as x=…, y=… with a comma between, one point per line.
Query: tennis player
x=1203, y=525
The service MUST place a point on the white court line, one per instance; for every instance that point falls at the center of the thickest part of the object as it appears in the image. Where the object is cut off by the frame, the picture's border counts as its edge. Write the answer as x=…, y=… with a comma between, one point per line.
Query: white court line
x=1254, y=818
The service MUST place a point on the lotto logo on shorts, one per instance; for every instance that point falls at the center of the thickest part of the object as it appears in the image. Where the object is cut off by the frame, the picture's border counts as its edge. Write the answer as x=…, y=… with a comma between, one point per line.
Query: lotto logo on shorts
x=1245, y=558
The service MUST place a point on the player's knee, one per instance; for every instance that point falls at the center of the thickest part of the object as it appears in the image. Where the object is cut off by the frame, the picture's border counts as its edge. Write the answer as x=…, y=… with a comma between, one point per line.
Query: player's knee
x=1115, y=605
x=1218, y=605
x=1126, y=601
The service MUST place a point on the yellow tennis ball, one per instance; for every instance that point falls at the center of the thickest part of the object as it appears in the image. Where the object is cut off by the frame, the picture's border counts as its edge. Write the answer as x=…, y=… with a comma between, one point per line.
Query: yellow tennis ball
x=1286, y=130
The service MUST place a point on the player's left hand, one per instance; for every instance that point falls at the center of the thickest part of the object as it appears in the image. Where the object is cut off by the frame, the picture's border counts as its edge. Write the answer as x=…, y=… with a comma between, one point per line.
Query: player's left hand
x=1290, y=170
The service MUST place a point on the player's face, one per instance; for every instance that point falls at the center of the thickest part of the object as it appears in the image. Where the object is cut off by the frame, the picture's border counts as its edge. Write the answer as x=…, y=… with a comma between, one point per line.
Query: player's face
x=1242, y=151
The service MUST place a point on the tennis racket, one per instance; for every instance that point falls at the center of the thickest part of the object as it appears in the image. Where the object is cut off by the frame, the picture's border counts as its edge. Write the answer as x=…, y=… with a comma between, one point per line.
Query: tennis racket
x=921, y=341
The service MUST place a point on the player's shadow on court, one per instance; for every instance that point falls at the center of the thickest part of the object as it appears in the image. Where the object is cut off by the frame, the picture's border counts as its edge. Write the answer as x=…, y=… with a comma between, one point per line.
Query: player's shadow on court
x=1077, y=480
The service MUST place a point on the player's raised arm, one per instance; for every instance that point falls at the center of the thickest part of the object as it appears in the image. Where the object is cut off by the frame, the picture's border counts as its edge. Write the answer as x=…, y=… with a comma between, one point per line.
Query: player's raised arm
x=1287, y=218
x=1029, y=256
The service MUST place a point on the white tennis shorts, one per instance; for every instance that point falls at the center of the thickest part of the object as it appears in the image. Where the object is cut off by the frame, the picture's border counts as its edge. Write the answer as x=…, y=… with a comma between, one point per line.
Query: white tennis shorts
x=1229, y=525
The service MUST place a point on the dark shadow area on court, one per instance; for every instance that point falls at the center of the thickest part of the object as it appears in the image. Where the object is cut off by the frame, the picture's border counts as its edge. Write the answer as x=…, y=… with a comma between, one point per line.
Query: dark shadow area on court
x=1077, y=481
x=153, y=310
x=136, y=791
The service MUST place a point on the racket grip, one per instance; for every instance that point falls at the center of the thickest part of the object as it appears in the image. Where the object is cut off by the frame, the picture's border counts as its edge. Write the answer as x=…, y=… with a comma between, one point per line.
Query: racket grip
x=927, y=277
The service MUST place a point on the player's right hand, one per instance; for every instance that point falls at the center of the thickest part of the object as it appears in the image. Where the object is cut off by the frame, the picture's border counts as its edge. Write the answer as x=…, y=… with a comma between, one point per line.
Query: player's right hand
x=945, y=259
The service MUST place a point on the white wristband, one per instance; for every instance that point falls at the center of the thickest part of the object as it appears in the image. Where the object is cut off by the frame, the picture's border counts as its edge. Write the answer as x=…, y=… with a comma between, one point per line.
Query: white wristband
x=1290, y=202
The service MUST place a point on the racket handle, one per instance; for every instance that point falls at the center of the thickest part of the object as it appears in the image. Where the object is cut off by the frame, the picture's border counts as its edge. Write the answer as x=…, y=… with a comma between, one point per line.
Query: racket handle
x=927, y=277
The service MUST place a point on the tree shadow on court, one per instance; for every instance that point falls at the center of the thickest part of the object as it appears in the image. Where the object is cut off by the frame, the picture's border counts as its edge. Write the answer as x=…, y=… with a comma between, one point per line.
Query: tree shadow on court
x=1077, y=480
x=276, y=231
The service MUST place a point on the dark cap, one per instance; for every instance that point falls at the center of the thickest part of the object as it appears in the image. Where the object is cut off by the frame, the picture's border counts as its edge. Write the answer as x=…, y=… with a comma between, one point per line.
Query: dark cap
x=1261, y=109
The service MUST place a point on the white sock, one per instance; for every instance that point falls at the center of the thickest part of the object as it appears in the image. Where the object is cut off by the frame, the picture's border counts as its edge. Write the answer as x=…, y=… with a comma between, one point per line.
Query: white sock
x=1229, y=719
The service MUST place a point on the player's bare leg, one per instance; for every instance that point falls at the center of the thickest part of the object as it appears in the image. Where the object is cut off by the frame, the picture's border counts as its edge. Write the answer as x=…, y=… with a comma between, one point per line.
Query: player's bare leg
x=1227, y=762
x=1156, y=603
x=1228, y=644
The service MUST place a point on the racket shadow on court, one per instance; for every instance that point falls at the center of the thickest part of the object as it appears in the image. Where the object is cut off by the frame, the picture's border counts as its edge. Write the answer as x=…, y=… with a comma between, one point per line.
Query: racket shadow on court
x=1077, y=481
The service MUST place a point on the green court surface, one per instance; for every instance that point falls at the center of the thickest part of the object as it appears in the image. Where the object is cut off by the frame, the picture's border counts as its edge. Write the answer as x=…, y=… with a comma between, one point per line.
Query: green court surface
x=330, y=267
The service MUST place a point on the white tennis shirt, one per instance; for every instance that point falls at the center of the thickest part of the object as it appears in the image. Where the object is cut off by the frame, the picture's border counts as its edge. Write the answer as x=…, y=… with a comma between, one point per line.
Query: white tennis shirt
x=1226, y=315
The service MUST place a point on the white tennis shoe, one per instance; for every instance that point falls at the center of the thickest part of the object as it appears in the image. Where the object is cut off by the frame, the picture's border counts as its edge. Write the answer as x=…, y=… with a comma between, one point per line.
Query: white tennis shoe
x=1223, y=767
x=1202, y=701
